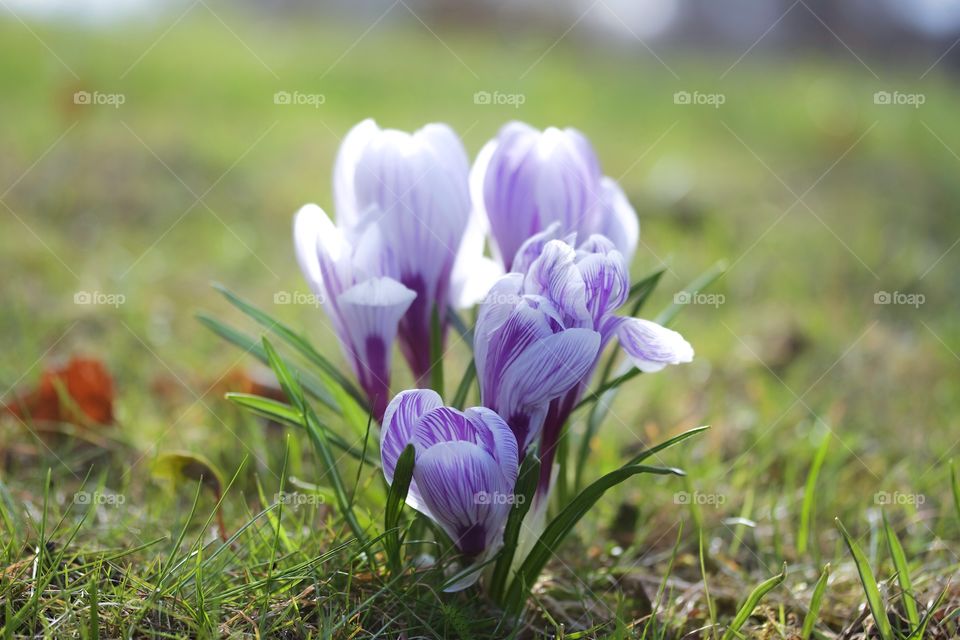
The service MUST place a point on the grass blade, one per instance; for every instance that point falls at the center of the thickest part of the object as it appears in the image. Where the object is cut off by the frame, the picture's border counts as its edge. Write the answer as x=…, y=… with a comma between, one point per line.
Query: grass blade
x=646, y=453
x=460, y=397
x=318, y=436
x=560, y=526
x=711, y=607
x=396, y=496
x=955, y=484
x=903, y=574
x=640, y=291
x=816, y=600
x=283, y=413
x=870, y=588
x=436, y=352
x=523, y=492
x=809, y=495
x=752, y=601
x=254, y=348
x=293, y=339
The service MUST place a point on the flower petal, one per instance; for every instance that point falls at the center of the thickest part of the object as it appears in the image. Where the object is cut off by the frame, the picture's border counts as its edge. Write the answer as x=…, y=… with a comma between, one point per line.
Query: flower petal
x=344, y=171
x=508, y=196
x=446, y=424
x=568, y=181
x=606, y=280
x=399, y=421
x=505, y=450
x=650, y=346
x=311, y=226
x=499, y=346
x=371, y=312
x=618, y=220
x=544, y=371
x=533, y=247
x=467, y=494
x=555, y=276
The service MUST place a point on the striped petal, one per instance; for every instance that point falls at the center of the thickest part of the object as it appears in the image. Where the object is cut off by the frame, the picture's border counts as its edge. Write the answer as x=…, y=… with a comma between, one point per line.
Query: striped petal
x=468, y=495
x=650, y=346
x=547, y=369
x=371, y=312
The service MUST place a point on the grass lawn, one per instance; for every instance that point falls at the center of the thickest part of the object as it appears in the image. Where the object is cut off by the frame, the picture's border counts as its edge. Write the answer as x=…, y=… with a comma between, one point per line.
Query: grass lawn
x=824, y=402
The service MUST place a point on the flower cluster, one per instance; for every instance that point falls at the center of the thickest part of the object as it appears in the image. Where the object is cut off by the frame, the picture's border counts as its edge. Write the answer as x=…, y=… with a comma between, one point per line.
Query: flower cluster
x=413, y=223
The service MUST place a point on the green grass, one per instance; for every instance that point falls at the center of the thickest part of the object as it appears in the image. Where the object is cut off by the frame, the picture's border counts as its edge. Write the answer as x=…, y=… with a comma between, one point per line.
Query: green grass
x=796, y=351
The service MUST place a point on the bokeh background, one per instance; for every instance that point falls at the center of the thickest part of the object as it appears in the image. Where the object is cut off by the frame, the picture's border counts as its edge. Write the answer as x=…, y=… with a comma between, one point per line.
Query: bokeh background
x=812, y=146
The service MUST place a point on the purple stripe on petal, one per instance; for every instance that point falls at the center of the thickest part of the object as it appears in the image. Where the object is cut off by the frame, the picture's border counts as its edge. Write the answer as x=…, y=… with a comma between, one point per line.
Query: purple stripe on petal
x=524, y=327
x=606, y=283
x=399, y=421
x=446, y=424
x=504, y=442
x=555, y=276
x=546, y=370
x=467, y=493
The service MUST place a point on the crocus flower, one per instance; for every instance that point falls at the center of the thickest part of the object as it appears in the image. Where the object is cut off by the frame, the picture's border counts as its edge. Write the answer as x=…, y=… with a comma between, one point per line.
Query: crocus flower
x=413, y=190
x=527, y=353
x=363, y=305
x=464, y=474
x=525, y=179
x=588, y=285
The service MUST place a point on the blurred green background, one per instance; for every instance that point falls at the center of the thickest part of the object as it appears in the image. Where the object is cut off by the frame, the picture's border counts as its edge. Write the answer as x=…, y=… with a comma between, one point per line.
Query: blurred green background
x=818, y=198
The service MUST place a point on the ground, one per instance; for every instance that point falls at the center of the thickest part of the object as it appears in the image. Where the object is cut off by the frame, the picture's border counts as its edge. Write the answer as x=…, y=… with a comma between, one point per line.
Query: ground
x=833, y=329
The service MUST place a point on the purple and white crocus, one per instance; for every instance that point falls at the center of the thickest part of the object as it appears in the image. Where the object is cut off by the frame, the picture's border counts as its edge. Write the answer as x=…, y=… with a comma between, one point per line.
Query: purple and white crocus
x=403, y=206
x=464, y=474
x=525, y=179
x=587, y=285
